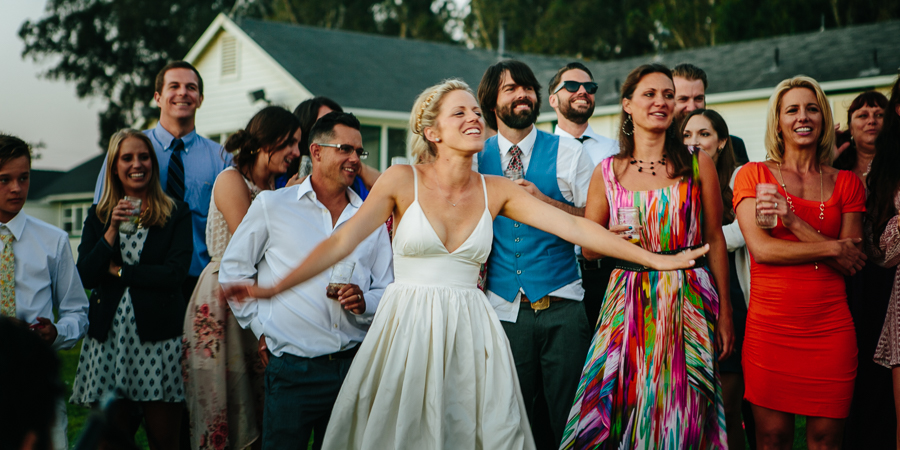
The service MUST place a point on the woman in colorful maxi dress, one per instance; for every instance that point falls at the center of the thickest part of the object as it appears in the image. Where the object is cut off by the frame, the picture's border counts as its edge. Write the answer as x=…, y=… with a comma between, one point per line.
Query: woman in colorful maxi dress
x=651, y=380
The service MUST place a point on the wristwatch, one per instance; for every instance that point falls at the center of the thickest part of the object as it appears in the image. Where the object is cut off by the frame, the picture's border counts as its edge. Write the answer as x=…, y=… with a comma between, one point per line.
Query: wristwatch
x=119, y=273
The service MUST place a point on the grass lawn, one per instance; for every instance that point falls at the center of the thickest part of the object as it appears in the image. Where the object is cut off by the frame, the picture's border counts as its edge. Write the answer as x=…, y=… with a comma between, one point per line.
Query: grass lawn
x=79, y=415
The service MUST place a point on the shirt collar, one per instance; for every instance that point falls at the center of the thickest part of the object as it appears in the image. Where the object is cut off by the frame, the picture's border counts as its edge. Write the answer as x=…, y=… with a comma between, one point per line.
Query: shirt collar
x=165, y=138
x=305, y=188
x=17, y=225
x=525, y=145
x=589, y=132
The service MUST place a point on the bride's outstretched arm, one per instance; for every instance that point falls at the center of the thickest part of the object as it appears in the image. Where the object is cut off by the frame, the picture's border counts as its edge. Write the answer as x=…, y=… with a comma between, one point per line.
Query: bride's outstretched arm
x=518, y=205
x=372, y=214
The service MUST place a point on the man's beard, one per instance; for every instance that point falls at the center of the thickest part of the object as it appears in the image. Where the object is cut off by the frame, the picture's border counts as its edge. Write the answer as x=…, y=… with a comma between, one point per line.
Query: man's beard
x=574, y=115
x=520, y=120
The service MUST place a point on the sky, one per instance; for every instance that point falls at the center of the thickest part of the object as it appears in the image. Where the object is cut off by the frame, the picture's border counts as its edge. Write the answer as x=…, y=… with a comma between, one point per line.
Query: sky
x=37, y=109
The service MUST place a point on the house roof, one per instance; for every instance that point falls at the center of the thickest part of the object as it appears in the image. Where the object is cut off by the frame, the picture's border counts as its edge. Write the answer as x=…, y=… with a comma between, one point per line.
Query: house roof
x=384, y=73
x=40, y=179
x=81, y=179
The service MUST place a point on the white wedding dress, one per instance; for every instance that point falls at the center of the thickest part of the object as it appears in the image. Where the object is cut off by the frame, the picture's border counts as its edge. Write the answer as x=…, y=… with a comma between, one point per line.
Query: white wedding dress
x=435, y=370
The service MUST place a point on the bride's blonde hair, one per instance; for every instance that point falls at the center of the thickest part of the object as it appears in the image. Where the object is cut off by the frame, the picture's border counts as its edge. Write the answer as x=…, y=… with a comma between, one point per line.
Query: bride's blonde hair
x=424, y=115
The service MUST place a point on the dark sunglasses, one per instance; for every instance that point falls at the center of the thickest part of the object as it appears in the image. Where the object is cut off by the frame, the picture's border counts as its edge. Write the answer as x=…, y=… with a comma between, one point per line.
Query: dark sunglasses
x=346, y=149
x=573, y=86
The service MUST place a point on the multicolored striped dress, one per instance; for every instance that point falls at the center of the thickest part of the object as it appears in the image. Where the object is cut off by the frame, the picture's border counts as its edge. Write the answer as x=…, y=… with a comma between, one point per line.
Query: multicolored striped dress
x=650, y=380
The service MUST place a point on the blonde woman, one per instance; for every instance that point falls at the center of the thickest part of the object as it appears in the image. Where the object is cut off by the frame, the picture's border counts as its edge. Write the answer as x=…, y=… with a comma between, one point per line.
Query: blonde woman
x=799, y=353
x=133, y=346
x=435, y=370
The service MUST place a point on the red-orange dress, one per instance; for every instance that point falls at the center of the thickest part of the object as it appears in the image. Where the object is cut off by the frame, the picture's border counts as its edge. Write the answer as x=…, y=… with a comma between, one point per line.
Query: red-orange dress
x=800, y=345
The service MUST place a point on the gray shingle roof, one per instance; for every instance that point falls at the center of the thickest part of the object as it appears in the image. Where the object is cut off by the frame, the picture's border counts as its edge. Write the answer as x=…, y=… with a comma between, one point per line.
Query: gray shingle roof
x=384, y=73
x=80, y=179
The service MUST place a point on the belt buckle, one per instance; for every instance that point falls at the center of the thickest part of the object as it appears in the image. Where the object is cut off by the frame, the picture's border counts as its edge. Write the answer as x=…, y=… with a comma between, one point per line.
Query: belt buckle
x=541, y=304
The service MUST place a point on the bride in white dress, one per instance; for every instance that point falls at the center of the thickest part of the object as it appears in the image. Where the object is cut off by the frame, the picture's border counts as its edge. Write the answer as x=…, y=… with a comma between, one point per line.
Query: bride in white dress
x=435, y=370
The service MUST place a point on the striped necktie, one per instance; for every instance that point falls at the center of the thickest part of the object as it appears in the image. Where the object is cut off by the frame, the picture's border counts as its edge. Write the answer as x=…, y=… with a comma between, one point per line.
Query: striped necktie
x=7, y=278
x=175, y=181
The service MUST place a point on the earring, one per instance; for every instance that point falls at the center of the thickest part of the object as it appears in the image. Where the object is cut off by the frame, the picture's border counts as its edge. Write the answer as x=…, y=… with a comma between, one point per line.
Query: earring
x=625, y=125
x=437, y=140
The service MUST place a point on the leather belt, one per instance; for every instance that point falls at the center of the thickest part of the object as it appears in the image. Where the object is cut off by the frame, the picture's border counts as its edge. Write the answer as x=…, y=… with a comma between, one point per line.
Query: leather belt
x=541, y=304
x=344, y=354
x=588, y=265
x=633, y=267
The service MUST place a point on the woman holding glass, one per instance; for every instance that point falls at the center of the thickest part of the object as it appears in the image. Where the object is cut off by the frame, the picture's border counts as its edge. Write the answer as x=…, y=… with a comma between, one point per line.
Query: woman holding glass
x=133, y=348
x=222, y=368
x=799, y=353
x=651, y=379
x=706, y=129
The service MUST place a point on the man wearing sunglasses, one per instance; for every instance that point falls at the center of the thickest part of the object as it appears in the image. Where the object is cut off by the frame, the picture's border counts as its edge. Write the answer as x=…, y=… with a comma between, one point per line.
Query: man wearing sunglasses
x=311, y=339
x=572, y=92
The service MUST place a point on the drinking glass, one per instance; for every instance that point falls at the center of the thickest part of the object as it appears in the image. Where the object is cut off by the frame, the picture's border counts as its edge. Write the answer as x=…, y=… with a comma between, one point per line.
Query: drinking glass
x=630, y=216
x=341, y=274
x=766, y=221
x=130, y=226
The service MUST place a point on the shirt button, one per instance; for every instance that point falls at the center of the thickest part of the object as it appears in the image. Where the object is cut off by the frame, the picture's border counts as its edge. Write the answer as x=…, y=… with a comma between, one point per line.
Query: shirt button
x=518, y=272
x=518, y=255
x=518, y=239
x=516, y=225
x=335, y=325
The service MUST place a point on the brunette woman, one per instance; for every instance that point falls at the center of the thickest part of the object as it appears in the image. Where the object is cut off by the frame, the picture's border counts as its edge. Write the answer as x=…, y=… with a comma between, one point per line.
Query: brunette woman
x=651, y=378
x=222, y=367
x=882, y=216
x=706, y=129
x=872, y=422
x=133, y=348
x=799, y=353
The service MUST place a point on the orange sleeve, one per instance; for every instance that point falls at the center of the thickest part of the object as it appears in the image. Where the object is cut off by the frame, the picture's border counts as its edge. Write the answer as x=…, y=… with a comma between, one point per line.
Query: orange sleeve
x=745, y=183
x=853, y=193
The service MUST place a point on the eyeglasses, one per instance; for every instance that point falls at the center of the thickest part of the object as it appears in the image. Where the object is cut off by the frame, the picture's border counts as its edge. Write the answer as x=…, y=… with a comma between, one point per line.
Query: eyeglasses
x=346, y=149
x=573, y=86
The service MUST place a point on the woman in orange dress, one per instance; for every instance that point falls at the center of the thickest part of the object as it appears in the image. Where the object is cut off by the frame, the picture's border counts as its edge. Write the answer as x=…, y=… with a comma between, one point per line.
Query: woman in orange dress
x=799, y=354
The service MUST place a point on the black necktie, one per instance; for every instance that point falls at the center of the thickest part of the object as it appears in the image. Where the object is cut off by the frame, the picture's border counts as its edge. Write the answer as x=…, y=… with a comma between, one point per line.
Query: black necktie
x=175, y=182
x=582, y=139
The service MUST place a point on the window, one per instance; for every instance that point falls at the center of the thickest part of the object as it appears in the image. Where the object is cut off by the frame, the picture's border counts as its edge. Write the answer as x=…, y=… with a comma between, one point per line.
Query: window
x=73, y=215
x=371, y=138
x=396, y=144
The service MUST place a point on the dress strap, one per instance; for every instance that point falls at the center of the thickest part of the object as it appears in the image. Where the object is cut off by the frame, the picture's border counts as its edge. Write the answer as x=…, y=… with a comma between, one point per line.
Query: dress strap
x=415, y=184
x=484, y=187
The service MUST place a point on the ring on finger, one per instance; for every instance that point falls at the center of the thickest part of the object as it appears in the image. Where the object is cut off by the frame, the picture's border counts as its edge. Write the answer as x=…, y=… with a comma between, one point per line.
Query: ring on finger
x=776, y=205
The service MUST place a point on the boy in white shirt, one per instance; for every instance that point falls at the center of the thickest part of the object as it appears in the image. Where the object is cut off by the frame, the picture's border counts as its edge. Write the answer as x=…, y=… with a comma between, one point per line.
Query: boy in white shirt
x=37, y=270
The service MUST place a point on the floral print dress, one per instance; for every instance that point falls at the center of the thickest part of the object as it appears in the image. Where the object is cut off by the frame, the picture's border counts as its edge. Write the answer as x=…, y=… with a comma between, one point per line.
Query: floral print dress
x=222, y=370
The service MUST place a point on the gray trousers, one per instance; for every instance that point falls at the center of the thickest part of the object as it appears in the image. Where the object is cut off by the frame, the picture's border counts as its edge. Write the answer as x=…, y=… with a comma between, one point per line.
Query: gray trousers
x=549, y=348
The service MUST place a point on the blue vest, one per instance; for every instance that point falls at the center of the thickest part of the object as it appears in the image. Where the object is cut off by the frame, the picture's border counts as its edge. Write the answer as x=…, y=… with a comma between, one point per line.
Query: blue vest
x=523, y=256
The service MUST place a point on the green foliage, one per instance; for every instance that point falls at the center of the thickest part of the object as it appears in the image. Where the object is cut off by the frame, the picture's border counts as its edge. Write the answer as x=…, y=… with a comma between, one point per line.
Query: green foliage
x=113, y=49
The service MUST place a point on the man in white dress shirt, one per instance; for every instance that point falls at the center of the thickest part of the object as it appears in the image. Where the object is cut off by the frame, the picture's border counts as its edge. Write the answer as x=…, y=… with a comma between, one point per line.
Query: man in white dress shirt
x=37, y=259
x=312, y=338
x=572, y=92
x=532, y=276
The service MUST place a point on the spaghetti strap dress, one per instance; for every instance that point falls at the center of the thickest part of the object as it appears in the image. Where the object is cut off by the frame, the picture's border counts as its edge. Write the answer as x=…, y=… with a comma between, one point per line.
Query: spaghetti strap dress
x=435, y=370
x=651, y=380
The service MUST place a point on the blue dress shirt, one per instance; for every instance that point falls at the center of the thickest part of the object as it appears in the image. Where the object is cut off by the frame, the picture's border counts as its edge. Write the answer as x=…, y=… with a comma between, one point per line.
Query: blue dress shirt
x=203, y=160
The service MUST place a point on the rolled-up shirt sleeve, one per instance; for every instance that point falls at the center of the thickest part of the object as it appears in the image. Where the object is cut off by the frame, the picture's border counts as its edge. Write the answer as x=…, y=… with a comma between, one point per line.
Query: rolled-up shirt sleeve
x=239, y=263
x=69, y=299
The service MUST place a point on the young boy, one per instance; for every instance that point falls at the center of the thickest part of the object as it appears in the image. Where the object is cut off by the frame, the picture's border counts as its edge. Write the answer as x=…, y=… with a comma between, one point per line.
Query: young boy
x=37, y=270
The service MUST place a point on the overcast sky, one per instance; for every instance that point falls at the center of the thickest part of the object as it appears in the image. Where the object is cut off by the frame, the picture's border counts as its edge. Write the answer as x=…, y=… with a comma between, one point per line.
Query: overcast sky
x=37, y=109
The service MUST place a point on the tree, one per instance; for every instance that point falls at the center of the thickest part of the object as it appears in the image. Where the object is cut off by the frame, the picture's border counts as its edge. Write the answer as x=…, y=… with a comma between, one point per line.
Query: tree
x=114, y=49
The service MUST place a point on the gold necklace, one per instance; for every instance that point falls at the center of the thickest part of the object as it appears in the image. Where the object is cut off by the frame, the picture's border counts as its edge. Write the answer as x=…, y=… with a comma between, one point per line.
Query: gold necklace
x=821, y=201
